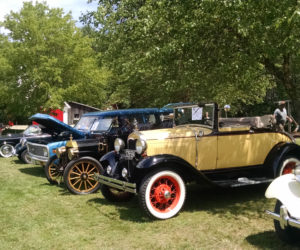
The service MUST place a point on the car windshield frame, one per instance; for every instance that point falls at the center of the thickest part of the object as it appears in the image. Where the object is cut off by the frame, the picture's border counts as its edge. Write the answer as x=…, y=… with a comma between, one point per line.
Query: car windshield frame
x=105, y=122
x=196, y=115
x=27, y=131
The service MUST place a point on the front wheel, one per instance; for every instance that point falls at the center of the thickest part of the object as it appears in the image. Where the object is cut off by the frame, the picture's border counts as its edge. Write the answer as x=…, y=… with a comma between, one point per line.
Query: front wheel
x=25, y=157
x=53, y=171
x=7, y=150
x=78, y=175
x=288, y=234
x=162, y=194
x=115, y=195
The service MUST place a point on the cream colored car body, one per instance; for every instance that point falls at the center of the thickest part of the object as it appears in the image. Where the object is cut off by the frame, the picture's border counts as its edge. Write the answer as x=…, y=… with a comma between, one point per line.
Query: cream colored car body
x=207, y=150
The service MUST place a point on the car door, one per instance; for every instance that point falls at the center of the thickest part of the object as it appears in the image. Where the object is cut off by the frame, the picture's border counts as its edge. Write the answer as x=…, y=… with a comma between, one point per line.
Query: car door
x=206, y=151
x=244, y=148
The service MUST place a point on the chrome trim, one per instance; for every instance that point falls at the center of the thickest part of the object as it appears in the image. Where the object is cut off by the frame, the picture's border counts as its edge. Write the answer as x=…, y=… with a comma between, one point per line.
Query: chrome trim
x=111, y=182
x=38, y=157
x=284, y=219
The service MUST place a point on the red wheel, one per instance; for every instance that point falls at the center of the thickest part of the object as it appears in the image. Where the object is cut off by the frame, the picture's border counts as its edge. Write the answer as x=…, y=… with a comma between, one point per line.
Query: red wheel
x=288, y=165
x=162, y=194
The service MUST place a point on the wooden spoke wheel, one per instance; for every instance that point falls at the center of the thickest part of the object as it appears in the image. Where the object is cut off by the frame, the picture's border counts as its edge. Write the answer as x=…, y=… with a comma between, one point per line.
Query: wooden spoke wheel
x=79, y=175
x=54, y=172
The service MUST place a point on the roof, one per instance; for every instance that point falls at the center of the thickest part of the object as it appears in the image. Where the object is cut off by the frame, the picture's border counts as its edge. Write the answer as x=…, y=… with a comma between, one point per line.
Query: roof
x=83, y=105
x=117, y=112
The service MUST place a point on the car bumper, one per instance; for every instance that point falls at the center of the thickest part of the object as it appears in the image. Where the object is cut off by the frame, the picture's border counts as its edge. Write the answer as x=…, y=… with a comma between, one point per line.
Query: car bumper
x=117, y=184
x=284, y=219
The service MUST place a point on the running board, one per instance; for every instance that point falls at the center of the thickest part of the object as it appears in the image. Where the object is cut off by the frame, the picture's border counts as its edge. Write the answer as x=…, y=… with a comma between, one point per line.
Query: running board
x=242, y=181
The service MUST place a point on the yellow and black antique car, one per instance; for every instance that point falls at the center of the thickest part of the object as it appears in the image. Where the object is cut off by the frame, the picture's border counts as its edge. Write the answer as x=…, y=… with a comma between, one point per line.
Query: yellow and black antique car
x=200, y=147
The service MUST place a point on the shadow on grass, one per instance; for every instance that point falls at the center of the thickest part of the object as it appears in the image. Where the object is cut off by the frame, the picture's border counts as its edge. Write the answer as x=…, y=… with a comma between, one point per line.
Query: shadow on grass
x=129, y=211
x=233, y=201
x=268, y=240
x=37, y=171
x=216, y=201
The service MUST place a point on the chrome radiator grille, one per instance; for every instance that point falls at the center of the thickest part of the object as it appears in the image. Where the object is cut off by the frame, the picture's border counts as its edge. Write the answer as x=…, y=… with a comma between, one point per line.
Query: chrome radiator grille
x=38, y=151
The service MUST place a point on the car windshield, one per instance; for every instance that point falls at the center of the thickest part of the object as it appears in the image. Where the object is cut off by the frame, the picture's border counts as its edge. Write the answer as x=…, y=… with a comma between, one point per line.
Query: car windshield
x=86, y=122
x=202, y=115
x=102, y=124
x=32, y=130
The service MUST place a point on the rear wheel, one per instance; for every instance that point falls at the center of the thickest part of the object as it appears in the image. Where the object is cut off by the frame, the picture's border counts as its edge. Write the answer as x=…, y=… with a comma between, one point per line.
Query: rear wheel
x=78, y=175
x=288, y=234
x=54, y=172
x=115, y=195
x=288, y=164
x=162, y=194
x=7, y=150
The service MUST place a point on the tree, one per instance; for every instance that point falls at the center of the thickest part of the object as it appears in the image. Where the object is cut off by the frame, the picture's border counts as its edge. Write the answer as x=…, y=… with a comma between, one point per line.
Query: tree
x=226, y=51
x=50, y=61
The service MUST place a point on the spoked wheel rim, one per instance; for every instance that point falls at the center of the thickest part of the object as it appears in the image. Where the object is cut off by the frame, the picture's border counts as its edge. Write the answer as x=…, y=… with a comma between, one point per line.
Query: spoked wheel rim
x=164, y=194
x=55, y=173
x=80, y=177
x=7, y=150
x=289, y=165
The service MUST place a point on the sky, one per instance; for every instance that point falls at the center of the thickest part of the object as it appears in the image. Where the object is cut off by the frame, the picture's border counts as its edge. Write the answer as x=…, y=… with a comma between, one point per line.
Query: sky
x=75, y=6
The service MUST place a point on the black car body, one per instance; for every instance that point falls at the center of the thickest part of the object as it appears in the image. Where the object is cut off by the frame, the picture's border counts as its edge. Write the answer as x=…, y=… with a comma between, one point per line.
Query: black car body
x=80, y=157
x=10, y=144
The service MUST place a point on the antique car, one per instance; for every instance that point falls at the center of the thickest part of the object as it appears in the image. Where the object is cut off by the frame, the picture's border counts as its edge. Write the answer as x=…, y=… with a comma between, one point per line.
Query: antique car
x=91, y=128
x=9, y=142
x=200, y=147
x=43, y=149
x=78, y=160
x=286, y=190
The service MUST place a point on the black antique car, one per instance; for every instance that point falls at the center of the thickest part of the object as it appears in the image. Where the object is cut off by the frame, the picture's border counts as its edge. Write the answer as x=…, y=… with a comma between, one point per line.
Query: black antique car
x=78, y=160
x=9, y=142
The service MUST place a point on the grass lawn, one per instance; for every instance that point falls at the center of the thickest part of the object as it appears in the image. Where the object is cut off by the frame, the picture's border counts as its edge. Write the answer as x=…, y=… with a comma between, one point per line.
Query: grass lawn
x=37, y=215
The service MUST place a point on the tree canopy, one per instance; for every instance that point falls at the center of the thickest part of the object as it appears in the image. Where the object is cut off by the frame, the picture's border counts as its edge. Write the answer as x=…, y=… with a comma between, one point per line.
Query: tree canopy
x=47, y=60
x=226, y=51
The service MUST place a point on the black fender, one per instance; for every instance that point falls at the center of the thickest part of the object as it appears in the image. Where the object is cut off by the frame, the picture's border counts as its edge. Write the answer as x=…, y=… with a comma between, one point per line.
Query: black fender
x=19, y=149
x=188, y=172
x=109, y=157
x=277, y=154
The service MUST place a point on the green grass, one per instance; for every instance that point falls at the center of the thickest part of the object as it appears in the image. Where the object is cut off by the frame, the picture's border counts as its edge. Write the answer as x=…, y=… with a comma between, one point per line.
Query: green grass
x=37, y=215
x=298, y=141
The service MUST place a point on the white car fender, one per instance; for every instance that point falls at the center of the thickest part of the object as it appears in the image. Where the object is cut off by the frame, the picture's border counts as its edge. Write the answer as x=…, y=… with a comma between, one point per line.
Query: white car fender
x=286, y=189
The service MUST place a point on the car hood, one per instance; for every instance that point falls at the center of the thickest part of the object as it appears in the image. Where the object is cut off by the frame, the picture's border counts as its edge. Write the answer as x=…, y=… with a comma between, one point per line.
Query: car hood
x=53, y=126
x=11, y=136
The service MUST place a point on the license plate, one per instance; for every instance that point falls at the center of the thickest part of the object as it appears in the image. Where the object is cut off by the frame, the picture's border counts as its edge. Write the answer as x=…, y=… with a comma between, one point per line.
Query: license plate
x=129, y=154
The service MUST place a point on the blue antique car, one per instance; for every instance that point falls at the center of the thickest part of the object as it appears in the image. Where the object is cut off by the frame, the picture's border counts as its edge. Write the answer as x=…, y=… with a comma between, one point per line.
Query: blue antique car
x=93, y=136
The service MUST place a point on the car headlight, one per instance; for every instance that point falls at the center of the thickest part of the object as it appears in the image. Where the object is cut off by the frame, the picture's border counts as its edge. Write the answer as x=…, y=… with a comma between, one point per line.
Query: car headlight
x=60, y=151
x=23, y=141
x=45, y=152
x=72, y=152
x=140, y=146
x=119, y=144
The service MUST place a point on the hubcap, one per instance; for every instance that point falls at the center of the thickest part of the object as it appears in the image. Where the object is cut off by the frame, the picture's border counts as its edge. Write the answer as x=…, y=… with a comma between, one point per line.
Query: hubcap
x=164, y=194
x=288, y=168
